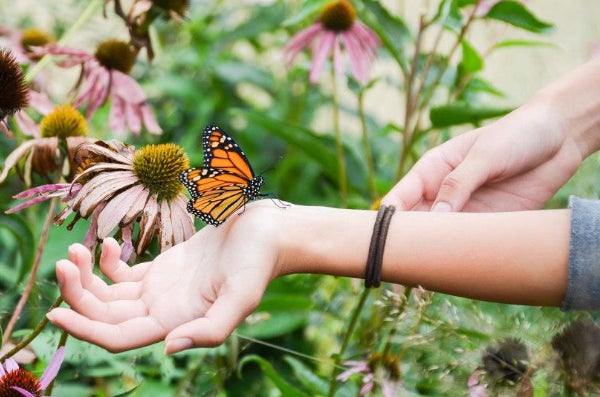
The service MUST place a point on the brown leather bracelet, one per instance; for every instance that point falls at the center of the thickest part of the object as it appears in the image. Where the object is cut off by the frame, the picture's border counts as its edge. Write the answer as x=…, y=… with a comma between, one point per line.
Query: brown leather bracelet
x=377, y=246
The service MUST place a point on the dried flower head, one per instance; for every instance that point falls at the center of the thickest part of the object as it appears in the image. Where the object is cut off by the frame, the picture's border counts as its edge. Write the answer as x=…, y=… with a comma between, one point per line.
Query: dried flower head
x=116, y=54
x=15, y=93
x=578, y=348
x=507, y=362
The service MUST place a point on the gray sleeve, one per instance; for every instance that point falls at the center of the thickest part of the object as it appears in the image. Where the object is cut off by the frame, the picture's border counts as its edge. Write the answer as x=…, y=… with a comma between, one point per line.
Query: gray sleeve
x=583, y=289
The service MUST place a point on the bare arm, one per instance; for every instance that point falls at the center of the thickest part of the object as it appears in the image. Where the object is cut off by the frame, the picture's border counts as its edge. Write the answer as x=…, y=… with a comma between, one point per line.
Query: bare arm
x=516, y=257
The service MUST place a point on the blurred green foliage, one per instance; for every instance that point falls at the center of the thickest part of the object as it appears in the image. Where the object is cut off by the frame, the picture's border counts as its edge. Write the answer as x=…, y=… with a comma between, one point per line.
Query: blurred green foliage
x=223, y=65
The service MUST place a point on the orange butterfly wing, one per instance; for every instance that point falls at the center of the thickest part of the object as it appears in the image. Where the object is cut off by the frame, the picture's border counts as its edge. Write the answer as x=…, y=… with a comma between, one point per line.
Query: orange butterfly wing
x=225, y=183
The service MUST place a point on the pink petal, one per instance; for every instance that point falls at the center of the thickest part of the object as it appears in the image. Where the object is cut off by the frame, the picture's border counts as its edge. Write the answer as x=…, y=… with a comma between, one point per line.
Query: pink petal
x=94, y=90
x=101, y=188
x=26, y=124
x=358, y=61
x=11, y=365
x=136, y=209
x=40, y=102
x=133, y=117
x=74, y=56
x=53, y=367
x=125, y=87
x=149, y=120
x=147, y=224
x=338, y=59
x=22, y=391
x=320, y=56
x=116, y=209
x=300, y=41
x=90, y=240
x=116, y=118
x=52, y=190
x=127, y=246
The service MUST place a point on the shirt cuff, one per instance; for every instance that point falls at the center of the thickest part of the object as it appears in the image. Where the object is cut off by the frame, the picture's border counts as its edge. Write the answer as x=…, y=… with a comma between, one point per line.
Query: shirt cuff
x=583, y=288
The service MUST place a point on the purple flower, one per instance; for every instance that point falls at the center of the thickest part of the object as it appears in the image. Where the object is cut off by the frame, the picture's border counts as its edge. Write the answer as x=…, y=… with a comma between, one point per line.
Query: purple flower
x=16, y=379
x=104, y=76
x=336, y=31
x=387, y=366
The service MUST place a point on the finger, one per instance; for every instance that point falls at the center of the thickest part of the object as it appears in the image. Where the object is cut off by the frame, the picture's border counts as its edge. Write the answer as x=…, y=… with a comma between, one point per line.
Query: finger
x=114, y=268
x=406, y=194
x=130, y=334
x=82, y=258
x=457, y=187
x=228, y=311
x=86, y=303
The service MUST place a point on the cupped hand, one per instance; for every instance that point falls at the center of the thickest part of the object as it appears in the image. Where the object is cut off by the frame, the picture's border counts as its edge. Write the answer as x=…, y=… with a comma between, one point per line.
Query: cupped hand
x=515, y=163
x=191, y=295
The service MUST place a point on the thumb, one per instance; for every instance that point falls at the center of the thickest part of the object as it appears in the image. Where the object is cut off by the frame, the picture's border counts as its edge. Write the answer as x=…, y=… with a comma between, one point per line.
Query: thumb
x=457, y=187
x=226, y=313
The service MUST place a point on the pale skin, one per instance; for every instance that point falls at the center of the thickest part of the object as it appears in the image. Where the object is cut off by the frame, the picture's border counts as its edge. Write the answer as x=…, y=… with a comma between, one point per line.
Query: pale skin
x=196, y=293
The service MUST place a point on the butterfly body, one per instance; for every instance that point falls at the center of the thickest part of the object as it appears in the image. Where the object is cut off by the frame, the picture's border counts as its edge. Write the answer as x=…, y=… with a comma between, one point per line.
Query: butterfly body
x=225, y=183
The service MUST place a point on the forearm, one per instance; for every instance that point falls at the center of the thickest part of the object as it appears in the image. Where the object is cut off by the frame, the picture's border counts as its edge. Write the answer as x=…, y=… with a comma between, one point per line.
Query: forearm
x=573, y=102
x=518, y=257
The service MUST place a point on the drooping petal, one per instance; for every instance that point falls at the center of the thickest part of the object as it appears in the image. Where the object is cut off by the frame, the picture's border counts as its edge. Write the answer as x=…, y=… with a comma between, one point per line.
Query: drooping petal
x=166, y=226
x=320, y=56
x=40, y=102
x=53, y=367
x=136, y=209
x=13, y=158
x=301, y=40
x=26, y=124
x=133, y=118
x=22, y=391
x=127, y=247
x=94, y=90
x=147, y=224
x=116, y=209
x=186, y=220
x=116, y=117
x=149, y=120
x=73, y=56
x=358, y=59
x=101, y=188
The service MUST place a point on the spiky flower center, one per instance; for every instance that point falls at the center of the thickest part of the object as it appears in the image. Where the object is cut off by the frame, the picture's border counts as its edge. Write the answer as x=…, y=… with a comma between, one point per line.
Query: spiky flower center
x=15, y=94
x=116, y=54
x=62, y=122
x=338, y=16
x=33, y=37
x=158, y=168
x=178, y=6
x=21, y=378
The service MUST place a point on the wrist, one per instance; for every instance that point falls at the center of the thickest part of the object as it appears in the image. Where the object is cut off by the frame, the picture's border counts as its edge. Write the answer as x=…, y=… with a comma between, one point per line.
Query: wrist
x=572, y=105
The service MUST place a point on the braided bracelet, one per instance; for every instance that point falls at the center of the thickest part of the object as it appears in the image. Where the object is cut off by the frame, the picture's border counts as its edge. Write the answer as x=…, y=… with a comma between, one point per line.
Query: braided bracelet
x=375, y=257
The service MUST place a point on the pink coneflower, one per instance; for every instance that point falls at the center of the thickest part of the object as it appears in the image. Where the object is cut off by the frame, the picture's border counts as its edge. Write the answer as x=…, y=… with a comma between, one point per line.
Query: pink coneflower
x=337, y=30
x=118, y=187
x=104, y=75
x=16, y=381
x=62, y=127
x=378, y=364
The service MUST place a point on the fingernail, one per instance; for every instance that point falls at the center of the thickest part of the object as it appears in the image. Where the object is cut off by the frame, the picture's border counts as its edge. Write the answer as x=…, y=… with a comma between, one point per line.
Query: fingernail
x=441, y=206
x=177, y=345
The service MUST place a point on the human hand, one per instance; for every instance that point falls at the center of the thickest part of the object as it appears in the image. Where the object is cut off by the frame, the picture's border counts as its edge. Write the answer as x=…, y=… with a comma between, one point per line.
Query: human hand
x=515, y=163
x=191, y=295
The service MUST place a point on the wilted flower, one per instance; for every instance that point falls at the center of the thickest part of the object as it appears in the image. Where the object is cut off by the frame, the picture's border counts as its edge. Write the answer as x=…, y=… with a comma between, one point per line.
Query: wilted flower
x=141, y=15
x=507, y=362
x=386, y=365
x=15, y=93
x=578, y=347
x=119, y=186
x=62, y=129
x=104, y=75
x=16, y=381
x=337, y=29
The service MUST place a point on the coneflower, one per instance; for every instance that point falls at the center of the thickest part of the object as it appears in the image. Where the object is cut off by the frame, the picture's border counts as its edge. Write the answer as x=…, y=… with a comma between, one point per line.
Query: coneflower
x=14, y=93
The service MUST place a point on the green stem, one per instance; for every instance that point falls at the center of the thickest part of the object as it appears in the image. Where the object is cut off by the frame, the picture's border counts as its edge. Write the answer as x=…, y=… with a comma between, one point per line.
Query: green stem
x=367, y=146
x=339, y=143
x=394, y=329
x=87, y=13
x=346, y=340
x=36, y=331
x=33, y=273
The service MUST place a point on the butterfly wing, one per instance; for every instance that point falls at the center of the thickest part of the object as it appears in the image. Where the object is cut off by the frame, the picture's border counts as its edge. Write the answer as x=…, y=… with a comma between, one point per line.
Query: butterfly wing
x=221, y=152
x=225, y=183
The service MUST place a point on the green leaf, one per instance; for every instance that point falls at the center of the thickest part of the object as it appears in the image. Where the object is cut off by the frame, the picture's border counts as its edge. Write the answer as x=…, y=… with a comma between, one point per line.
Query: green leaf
x=471, y=61
x=462, y=113
x=478, y=85
x=24, y=237
x=393, y=31
x=283, y=385
x=448, y=14
x=522, y=43
x=518, y=15
x=309, y=8
x=311, y=381
x=127, y=393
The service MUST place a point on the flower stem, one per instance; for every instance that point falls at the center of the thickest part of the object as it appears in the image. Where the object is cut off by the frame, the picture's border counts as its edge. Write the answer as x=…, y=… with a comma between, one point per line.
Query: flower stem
x=367, y=146
x=36, y=331
x=87, y=13
x=33, y=273
x=394, y=329
x=339, y=144
x=346, y=340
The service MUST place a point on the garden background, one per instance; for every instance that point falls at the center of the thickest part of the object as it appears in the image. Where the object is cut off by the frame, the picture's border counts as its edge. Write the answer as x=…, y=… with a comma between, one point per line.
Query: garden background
x=223, y=63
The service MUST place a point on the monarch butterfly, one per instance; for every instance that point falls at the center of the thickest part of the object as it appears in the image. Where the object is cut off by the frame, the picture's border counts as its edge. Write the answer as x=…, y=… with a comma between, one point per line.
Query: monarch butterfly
x=225, y=182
